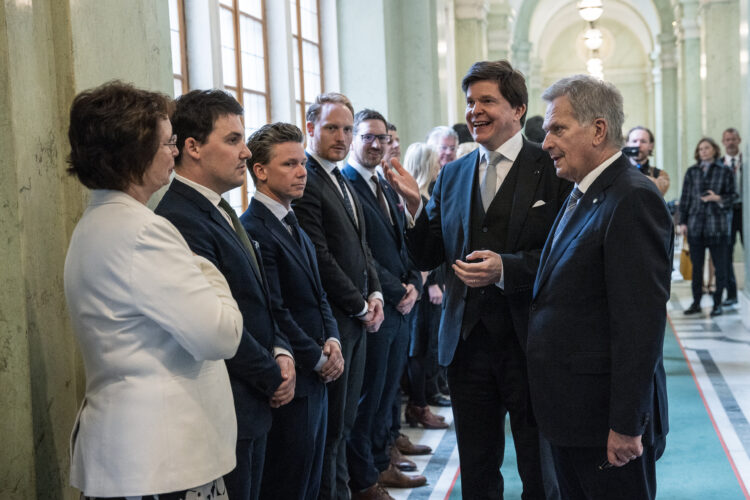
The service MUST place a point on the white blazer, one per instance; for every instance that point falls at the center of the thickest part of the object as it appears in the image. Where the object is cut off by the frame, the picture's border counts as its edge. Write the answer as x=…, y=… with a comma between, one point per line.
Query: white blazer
x=154, y=323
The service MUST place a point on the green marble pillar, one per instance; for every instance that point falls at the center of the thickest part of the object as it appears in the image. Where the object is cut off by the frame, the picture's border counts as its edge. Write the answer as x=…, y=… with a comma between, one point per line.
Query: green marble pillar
x=665, y=112
x=470, y=41
x=689, y=78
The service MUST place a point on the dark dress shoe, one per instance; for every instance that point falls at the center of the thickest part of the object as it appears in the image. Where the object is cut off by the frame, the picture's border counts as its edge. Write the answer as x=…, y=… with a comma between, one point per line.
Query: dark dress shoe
x=394, y=478
x=400, y=461
x=374, y=492
x=717, y=310
x=438, y=400
x=422, y=415
x=408, y=448
x=730, y=301
x=693, y=309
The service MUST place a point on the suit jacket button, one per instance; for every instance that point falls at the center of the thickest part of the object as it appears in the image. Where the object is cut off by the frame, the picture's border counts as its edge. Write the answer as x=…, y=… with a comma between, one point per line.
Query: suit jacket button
x=481, y=291
x=485, y=229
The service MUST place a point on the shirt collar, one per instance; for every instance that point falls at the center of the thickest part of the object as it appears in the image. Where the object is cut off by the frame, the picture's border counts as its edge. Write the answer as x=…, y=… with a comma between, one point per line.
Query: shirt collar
x=276, y=208
x=589, y=179
x=509, y=149
x=365, y=172
x=327, y=165
x=210, y=194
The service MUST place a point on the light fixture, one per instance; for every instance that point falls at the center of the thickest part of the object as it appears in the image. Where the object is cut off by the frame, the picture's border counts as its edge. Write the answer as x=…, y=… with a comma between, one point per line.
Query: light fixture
x=595, y=67
x=590, y=10
x=592, y=38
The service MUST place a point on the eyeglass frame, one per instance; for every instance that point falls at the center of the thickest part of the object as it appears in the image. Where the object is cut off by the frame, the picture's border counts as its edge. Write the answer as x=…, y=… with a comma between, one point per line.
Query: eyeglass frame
x=382, y=138
x=172, y=143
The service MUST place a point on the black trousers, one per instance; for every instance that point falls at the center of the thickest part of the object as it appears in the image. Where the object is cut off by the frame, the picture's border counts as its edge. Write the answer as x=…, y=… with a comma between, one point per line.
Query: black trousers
x=720, y=256
x=487, y=379
x=580, y=477
x=243, y=483
x=736, y=228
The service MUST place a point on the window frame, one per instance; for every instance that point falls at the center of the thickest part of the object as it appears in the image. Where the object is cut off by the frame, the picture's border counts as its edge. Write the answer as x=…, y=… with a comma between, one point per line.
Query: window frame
x=300, y=43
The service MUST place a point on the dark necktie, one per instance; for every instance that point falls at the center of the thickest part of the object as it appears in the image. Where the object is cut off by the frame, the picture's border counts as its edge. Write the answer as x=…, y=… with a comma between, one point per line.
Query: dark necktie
x=734, y=165
x=291, y=220
x=569, y=208
x=381, y=197
x=241, y=233
x=344, y=192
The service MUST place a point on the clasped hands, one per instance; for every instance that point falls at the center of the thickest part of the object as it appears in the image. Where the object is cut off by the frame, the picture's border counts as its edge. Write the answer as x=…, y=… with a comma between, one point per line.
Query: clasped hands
x=374, y=316
x=334, y=367
x=408, y=300
x=481, y=268
x=285, y=392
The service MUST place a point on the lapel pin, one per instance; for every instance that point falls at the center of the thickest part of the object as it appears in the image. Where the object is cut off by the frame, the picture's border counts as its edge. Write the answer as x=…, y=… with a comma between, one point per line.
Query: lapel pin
x=595, y=200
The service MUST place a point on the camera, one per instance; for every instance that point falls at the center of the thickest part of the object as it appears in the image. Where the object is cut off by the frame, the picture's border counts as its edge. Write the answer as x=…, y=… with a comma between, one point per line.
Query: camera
x=630, y=151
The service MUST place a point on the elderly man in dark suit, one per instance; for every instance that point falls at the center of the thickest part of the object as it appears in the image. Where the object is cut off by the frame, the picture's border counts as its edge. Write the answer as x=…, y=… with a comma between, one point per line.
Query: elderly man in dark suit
x=331, y=214
x=294, y=452
x=212, y=160
x=597, y=320
x=488, y=218
x=367, y=450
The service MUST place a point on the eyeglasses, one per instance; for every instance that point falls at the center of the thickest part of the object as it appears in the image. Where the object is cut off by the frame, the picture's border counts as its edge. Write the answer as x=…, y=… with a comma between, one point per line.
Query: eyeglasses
x=382, y=139
x=172, y=143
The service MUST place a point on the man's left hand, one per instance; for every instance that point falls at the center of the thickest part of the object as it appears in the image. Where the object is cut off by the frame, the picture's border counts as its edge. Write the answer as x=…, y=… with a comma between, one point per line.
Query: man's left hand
x=285, y=392
x=622, y=449
x=408, y=300
x=484, y=268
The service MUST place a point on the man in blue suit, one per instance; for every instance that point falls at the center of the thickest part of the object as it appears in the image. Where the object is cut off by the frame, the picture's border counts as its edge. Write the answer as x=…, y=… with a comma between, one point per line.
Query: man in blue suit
x=598, y=314
x=294, y=452
x=488, y=218
x=212, y=160
x=367, y=450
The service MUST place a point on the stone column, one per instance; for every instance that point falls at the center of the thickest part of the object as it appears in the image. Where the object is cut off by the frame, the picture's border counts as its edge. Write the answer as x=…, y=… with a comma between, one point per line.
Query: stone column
x=499, y=22
x=665, y=111
x=471, y=41
x=689, y=115
x=534, y=84
x=720, y=39
x=49, y=51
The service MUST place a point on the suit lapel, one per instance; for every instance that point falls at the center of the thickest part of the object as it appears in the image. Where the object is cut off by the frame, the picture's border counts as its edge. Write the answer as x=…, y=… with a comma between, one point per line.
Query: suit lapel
x=365, y=195
x=321, y=172
x=587, y=207
x=466, y=176
x=529, y=174
x=280, y=233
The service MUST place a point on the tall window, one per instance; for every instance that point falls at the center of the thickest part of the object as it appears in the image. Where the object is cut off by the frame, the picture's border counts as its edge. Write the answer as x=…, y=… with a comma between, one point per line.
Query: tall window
x=179, y=56
x=306, y=42
x=244, y=62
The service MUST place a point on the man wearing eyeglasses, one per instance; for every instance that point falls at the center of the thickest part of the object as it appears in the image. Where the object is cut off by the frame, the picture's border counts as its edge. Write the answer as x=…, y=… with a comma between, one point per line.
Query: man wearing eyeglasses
x=367, y=449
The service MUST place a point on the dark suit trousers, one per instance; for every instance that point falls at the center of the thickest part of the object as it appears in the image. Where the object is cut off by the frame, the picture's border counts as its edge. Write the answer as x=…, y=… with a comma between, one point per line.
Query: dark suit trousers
x=343, y=396
x=736, y=228
x=367, y=449
x=243, y=483
x=294, y=451
x=720, y=256
x=580, y=478
x=487, y=378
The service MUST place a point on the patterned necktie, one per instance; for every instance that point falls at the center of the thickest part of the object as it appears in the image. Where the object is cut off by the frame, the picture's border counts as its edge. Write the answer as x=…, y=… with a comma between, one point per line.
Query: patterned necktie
x=344, y=192
x=569, y=208
x=291, y=220
x=489, y=183
x=241, y=233
x=381, y=197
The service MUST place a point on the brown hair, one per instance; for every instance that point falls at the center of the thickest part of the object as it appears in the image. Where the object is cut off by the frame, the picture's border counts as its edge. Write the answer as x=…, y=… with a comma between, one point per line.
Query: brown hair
x=114, y=134
x=717, y=150
x=262, y=141
x=510, y=82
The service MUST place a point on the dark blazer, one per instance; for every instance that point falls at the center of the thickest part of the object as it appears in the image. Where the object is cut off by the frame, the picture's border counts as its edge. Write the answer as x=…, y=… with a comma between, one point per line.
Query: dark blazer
x=386, y=240
x=344, y=259
x=297, y=297
x=253, y=371
x=441, y=234
x=597, y=320
x=712, y=221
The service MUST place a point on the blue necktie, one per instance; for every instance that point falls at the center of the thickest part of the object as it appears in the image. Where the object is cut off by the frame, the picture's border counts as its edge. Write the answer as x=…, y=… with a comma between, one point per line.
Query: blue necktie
x=569, y=208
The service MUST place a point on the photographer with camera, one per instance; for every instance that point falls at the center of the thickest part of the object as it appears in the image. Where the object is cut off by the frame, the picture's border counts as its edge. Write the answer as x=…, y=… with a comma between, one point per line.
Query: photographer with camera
x=639, y=146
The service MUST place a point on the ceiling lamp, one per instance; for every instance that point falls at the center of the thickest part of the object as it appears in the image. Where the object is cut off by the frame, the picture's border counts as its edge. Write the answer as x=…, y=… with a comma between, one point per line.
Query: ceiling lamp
x=595, y=68
x=590, y=10
x=592, y=38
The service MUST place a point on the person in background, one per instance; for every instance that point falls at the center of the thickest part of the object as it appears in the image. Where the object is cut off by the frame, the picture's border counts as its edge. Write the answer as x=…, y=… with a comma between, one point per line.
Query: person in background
x=733, y=159
x=423, y=163
x=153, y=321
x=533, y=129
x=445, y=141
x=643, y=139
x=708, y=195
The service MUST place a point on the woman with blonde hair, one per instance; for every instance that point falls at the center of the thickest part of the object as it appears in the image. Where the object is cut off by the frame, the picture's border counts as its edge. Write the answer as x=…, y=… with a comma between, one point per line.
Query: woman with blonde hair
x=423, y=163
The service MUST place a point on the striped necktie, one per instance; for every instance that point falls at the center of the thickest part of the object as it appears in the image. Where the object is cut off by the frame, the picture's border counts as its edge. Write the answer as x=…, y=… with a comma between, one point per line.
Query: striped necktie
x=569, y=208
x=241, y=233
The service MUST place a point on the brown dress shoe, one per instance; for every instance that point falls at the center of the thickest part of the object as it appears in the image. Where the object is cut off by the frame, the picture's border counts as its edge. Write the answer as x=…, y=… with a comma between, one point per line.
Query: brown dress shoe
x=400, y=461
x=408, y=448
x=374, y=492
x=415, y=415
x=394, y=478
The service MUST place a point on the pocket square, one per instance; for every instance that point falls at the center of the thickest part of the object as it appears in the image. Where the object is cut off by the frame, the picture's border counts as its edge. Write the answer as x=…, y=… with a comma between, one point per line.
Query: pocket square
x=538, y=203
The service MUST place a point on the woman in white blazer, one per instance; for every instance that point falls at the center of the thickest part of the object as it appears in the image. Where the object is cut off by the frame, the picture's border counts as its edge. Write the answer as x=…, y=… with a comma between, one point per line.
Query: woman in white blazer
x=153, y=321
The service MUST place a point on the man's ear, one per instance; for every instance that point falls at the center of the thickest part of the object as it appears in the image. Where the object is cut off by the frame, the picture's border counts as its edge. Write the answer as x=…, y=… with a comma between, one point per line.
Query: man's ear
x=192, y=148
x=600, y=131
x=260, y=172
x=310, y=128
